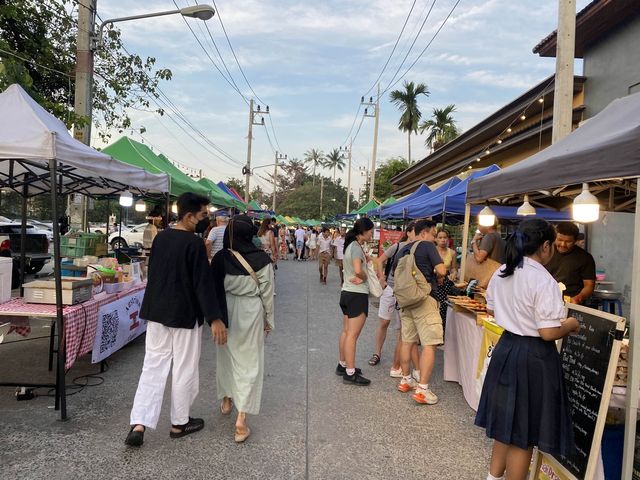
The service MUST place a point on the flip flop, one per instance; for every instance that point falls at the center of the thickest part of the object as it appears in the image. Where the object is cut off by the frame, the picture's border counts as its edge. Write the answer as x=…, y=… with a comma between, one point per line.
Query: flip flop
x=374, y=360
x=241, y=437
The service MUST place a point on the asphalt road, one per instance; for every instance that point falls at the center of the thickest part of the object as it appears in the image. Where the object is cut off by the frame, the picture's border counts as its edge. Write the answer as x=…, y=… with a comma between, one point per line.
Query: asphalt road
x=311, y=425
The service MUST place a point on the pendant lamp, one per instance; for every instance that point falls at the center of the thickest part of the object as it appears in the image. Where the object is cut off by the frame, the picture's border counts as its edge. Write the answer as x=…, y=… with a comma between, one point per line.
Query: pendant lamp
x=526, y=208
x=585, y=206
x=126, y=199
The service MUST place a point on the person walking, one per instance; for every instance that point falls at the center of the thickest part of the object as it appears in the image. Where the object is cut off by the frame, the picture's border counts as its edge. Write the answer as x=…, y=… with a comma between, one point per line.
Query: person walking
x=244, y=281
x=178, y=298
x=324, y=254
x=282, y=243
x=300, y=239
x=313, y=244
x=338, y=251
x=216, y=235
x=354, y=300
x=524, y=401
x=267, y=239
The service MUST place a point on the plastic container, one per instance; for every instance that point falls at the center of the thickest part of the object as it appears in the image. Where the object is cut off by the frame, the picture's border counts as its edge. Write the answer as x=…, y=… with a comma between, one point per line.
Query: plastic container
x=113, y=287
x=6, y=269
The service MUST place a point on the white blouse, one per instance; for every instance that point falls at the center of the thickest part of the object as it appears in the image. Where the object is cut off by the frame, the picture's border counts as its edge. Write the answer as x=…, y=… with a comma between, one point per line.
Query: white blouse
x=527, y=300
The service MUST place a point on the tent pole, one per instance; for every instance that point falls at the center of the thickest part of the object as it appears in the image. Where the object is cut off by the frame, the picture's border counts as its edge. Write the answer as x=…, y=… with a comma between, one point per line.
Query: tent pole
x=633, y=383
x=465, y=240
x=61, y=394
x=23, y=234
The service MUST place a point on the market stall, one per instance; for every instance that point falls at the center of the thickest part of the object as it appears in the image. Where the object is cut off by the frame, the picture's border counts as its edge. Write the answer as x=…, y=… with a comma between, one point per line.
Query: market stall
x=38, y=156
x=604, y=151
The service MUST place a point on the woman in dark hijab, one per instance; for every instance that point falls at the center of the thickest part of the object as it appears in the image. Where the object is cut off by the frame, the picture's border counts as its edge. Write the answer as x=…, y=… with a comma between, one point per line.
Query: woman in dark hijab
x=244, y=280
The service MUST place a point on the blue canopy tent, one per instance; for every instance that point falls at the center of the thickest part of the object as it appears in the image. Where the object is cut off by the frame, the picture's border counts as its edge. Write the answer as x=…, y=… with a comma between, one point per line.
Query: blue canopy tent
x=401, y=203
x=415, y=208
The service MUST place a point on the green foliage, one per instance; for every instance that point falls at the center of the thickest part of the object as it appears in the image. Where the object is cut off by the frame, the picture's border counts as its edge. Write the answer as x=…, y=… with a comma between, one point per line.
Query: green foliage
x=315, y=158
x=44, y=33
x=407, y=102
x=335, y=160
x=441, y=126
x=384, y=173
x=304, y=201
x=237, y=185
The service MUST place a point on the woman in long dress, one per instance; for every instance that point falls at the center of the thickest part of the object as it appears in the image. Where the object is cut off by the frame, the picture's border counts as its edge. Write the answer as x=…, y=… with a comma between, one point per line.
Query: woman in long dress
x=244, y=279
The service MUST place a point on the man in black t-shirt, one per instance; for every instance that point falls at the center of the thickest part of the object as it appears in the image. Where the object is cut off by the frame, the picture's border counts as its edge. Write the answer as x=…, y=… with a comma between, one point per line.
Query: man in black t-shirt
x=572, y=265
x=422, y=321
x=179, y=297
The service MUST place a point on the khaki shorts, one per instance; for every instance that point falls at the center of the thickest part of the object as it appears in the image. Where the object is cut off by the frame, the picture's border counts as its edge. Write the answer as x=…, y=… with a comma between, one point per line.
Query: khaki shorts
x=422, y=322
x=325, y=259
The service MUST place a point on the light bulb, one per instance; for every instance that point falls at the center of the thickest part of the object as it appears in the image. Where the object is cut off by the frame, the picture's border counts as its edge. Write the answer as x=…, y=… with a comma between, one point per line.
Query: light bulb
x=486, y=217
x=499, y=141
x=126, y=199
x=586, y=207
x=174, y=208
x=526, y=208
x=523, y=117
x=141, y=206
x=509, y=130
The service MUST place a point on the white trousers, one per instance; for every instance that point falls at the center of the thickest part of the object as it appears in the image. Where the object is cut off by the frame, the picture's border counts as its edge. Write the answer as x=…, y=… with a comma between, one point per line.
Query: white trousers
x=164, y=345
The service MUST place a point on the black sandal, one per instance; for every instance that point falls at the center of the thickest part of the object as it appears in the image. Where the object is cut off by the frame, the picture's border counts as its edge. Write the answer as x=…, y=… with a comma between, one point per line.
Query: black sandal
x=192, y=426
x=374, y=360
x=135, y=439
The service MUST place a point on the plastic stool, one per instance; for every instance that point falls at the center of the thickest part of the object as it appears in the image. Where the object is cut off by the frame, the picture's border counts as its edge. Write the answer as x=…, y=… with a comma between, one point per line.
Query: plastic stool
x=610, y=305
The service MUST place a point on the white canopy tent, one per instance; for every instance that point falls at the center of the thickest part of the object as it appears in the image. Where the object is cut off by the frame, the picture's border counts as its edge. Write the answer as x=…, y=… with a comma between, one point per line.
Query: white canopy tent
x=38, y=156
x=30, y=137
x=604, y=150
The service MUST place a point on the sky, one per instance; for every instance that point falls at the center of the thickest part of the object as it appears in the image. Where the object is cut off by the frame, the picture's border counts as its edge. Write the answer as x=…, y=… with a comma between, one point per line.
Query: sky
x=311, y=61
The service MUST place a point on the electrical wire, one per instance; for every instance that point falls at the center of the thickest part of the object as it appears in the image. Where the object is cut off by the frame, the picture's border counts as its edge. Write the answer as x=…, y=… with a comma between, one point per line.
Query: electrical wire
x=393, y=50
x=32, y=62
x=425, y=48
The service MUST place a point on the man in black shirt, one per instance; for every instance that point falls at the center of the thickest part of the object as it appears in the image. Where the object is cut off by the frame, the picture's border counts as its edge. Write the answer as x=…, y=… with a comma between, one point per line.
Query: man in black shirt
x=572, y=265
x=178, y=298
x=422, y=321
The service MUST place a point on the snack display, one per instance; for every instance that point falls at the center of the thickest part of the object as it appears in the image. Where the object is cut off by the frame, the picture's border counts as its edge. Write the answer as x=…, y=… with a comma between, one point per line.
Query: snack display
x=623, y=365
x=468, y=303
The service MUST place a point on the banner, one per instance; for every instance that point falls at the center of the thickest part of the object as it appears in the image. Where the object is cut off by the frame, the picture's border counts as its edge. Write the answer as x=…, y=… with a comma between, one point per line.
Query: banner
x=118, y=324
x=388, y=238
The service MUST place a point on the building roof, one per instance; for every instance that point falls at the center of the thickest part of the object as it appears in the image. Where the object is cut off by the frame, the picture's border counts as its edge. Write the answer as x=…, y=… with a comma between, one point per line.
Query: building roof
x=457, y=154
x=592, y=23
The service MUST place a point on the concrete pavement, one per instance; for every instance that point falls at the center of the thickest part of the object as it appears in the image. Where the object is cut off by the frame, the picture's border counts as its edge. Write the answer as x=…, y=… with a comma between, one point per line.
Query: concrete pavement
x=311, y=425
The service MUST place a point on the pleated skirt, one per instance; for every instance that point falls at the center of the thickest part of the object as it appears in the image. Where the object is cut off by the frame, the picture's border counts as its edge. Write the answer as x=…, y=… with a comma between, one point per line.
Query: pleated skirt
x=524, y=401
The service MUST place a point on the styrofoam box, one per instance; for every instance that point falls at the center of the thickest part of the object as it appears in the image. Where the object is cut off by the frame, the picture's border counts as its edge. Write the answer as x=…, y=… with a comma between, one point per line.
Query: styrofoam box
x=6, y=270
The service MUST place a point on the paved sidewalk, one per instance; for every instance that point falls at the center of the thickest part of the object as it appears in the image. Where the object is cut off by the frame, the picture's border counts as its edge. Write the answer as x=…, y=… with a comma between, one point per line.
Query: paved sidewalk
x=311, y=425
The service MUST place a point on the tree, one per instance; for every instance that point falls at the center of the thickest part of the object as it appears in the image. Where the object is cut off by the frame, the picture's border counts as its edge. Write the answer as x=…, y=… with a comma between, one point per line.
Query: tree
x=236, y=184
x=304, y=201
x=407, y=102
x=335, y=160
x=441, y=126
x=315, y=158
x=384, y=173
x=44, y=33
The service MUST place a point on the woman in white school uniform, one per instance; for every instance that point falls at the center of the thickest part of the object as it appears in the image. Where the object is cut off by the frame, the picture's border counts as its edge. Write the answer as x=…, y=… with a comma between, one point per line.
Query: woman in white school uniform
x=524, y=402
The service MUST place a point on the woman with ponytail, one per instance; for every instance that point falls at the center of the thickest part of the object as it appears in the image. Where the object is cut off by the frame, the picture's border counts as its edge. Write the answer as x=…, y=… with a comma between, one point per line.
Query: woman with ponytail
x=354, y=300
x=524, y=402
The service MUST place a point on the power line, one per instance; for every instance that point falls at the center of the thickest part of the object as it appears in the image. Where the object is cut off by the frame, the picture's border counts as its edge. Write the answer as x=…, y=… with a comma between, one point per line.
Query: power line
x=352, y=125
x=411, y=46
x=426, y=47
x=32, y=62
x=393, y=50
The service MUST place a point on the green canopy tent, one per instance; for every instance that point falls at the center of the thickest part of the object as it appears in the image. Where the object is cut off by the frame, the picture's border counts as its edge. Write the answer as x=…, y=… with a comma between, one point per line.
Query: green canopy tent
x=389, y=201
x=370, y=205
x=137, y=154
x=220, y=197
x=253, y=205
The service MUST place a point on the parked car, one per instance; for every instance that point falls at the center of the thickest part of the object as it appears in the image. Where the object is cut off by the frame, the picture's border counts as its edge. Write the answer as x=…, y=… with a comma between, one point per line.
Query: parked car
x=37, y=245
x=129, y=237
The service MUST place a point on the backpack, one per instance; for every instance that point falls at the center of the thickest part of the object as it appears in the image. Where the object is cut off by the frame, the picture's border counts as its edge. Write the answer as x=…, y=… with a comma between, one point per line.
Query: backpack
x=410, y=287
x=389, y=265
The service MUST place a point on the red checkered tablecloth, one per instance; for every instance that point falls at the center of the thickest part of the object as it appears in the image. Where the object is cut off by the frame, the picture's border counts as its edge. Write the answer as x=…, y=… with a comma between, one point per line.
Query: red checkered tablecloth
x=80, y=320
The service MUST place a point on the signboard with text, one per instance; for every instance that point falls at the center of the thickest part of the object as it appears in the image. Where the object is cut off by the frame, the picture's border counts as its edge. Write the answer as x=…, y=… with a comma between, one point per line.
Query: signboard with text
x=388, y=238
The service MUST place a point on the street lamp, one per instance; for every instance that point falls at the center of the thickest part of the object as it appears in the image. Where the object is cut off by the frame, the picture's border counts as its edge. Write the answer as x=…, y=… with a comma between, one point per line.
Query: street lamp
x=201, y=12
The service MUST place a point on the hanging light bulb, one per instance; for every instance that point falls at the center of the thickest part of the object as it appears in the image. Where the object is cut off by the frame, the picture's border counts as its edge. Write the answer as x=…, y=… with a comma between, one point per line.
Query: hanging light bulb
x=526, y=208
x=509, y=130
x=585, y=206
x=486, y=217
x=213, y=209
x=487, y=151
x=541, y=100
x=126, y=199
x=174, y=208
x=478, y=159
x=141, y=206
x=499, y=141
x=523, y=117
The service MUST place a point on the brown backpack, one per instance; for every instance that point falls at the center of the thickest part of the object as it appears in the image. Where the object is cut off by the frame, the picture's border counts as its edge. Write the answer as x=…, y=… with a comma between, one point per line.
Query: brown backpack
x=410, y=286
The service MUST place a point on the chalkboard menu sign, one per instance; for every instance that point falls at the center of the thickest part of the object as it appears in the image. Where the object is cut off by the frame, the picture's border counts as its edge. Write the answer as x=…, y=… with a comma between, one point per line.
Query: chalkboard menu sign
x=589, y=359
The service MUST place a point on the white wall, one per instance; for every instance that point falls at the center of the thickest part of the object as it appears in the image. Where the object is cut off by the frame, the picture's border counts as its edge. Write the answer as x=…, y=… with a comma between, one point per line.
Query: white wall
x=611, y=244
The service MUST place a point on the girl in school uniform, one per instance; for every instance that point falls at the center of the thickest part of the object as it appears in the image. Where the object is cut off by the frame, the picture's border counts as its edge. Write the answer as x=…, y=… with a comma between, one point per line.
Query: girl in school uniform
x=524, y=402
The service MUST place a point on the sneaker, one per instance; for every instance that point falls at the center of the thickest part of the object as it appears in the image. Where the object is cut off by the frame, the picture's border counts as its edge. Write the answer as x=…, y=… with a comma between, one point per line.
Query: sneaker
x=355, y=379
x=407, y=385
x=340, y=370
x=395, y=373
x=416, y=375
x=425, y=396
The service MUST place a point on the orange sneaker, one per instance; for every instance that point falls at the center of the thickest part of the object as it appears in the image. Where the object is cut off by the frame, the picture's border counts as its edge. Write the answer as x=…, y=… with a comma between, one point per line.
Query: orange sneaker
x=407, y=385
x=425, y=396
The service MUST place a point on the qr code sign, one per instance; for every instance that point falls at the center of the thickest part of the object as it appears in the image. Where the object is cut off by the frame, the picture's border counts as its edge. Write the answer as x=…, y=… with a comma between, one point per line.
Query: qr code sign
x=110, y=323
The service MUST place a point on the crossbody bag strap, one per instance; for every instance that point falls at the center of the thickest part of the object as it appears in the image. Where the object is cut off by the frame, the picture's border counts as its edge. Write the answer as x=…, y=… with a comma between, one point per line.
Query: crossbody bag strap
x=246, y=266
x=415, y=245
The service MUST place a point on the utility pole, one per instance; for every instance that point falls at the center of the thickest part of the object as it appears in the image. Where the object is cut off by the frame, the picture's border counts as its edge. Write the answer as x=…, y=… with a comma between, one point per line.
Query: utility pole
x=83, y=94
x=252, y=121
x=565, y=53
x=347, y=150
x=279, y=156
x=376, y=115
x=321, y=193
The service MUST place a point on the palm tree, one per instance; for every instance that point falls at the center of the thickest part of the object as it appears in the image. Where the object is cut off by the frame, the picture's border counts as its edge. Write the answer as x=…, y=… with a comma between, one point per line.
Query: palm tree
x=441, y=126
x=407, y=102
x=334, y=160
x=316, y=159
